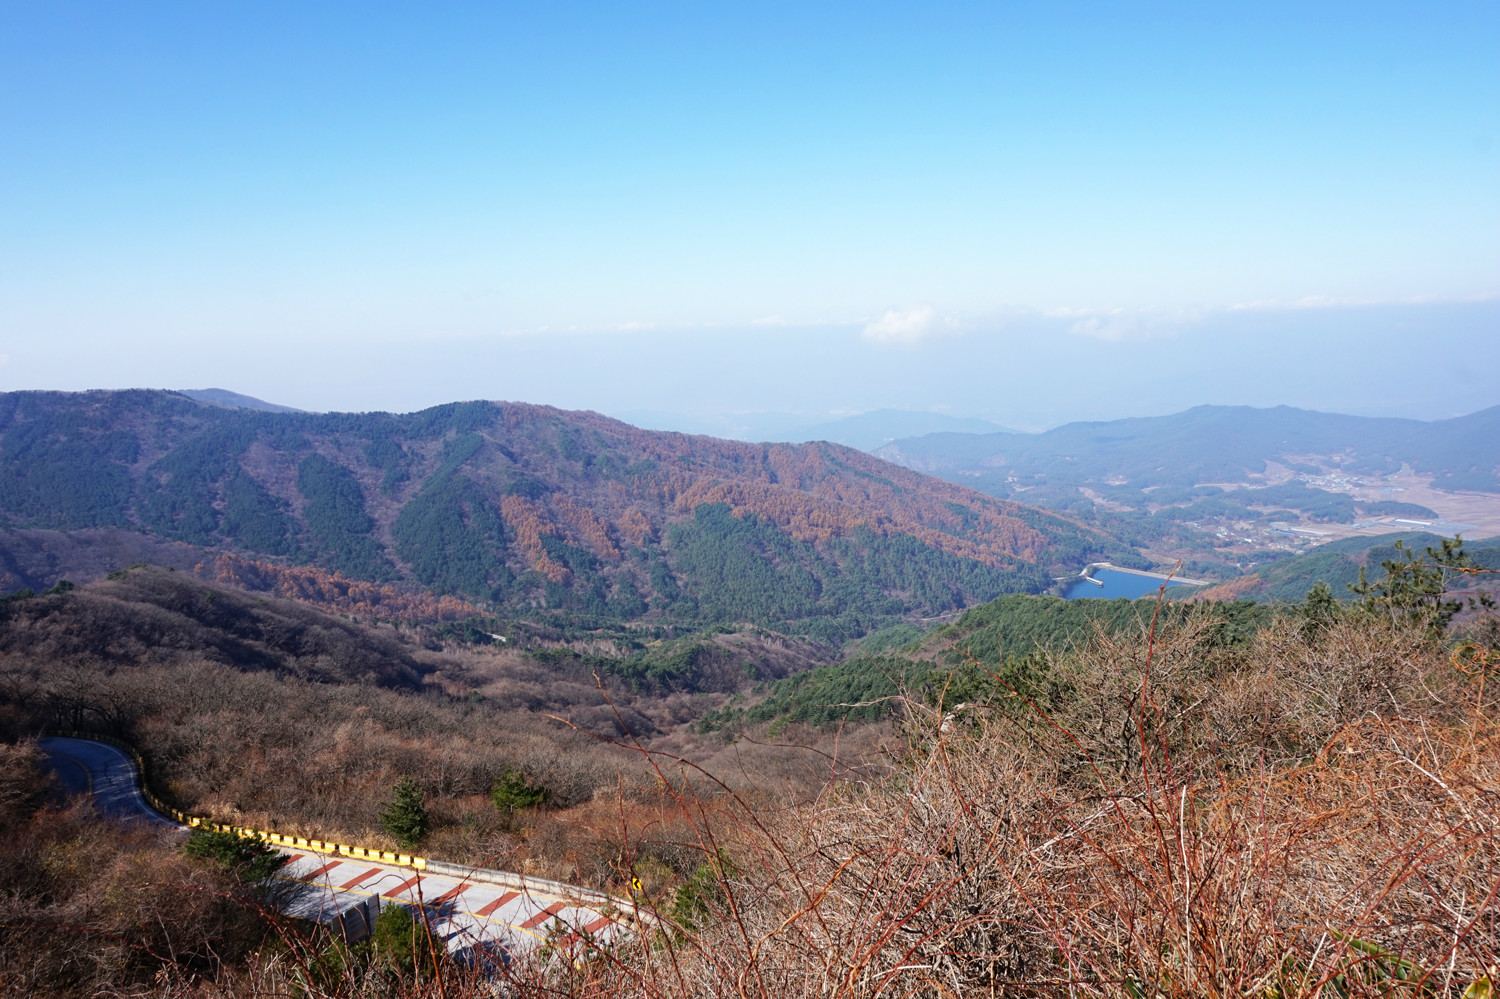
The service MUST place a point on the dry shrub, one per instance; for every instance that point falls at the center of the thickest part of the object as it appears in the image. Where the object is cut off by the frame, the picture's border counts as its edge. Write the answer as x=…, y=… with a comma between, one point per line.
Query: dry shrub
x=1317, y=816
x=320, y=760
x=273, y=715
x=91, y=908
x=23, y=784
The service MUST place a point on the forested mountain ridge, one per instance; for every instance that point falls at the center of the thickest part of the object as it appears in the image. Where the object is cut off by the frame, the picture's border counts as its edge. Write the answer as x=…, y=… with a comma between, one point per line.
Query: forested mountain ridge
x=529, y=508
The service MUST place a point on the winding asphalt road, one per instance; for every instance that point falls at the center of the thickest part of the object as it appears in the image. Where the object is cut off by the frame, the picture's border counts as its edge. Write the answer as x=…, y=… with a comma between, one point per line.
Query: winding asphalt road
x=477, y=920
x=103, y=772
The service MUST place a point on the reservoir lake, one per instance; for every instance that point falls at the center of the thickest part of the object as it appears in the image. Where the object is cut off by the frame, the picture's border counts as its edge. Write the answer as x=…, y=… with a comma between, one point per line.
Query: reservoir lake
x=1116, y=585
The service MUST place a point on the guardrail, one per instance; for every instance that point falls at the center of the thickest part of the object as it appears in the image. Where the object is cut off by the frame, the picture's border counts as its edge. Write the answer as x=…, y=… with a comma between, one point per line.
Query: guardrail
x=479, y=874
x=269, y=835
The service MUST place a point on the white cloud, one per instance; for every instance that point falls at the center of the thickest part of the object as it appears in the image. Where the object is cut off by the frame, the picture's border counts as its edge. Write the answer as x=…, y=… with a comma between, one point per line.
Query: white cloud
x=1109, y=329
x=4, y=360
x=1309, y=302
x=907, y=326
x=1121, y=325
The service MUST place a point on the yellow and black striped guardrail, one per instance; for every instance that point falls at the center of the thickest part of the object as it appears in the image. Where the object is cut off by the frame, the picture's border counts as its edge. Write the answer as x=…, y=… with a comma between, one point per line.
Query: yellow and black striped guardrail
x=269, y=835
x=521, y=882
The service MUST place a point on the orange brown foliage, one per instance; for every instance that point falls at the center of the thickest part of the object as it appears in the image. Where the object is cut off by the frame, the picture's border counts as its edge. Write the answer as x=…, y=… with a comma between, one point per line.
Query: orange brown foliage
x=530, y=523
x=1232, y=590
x=813, y=491
x=634, y=527
x=584, y=528
x=836, y=506
x=334, y=591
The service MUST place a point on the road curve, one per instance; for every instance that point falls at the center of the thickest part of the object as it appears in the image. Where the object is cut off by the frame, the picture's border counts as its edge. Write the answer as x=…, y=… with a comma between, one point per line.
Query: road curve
x=477, y=919
x=103, y=772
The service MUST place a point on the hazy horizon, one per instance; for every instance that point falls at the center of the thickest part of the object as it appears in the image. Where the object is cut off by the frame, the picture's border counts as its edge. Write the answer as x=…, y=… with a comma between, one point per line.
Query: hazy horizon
x=1027, y=216
x=1027, y=373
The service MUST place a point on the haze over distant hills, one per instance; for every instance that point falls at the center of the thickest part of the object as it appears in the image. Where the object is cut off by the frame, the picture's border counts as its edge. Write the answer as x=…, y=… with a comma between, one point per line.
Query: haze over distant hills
x=234, y=400
x=865, y=431
x=1227, y=488
x=531, y=509
x=875, y=429
x=1212, y=444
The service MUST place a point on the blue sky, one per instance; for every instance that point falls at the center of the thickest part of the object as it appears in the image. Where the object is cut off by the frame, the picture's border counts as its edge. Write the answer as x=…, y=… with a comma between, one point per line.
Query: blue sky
x=708, y=208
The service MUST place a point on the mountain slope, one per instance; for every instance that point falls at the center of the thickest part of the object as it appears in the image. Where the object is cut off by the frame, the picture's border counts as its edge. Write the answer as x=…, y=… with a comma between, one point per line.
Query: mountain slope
x=234, y=400
x=153, y=615
x=534, y=509
x=1337, y=563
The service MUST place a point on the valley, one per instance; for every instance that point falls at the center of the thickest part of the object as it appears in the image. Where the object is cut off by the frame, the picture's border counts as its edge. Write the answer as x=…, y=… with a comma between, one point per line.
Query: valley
x=1227, y=489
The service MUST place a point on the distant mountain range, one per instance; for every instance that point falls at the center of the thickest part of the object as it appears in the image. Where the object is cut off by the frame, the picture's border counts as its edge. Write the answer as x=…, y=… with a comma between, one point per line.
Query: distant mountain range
x=1211, y=444
x=233, y=400
x=865, y=431
x=875, y=429
x=520, y=509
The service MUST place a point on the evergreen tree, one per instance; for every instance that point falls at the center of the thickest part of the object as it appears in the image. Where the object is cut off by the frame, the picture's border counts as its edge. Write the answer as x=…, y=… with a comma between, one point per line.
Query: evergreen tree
x=1318, y=610
x=249, y=857
x=513, y=792
x=1415, y=591
x=405, y=817
x=397, y=939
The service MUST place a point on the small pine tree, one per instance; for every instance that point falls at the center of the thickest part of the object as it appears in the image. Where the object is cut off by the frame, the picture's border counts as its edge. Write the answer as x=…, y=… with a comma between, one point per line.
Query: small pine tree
x=1318, y=611
x=249, y=857
x=704, y=892
x=405, y=818
x=396, y=938
x=513, y=792
x=1415, y=591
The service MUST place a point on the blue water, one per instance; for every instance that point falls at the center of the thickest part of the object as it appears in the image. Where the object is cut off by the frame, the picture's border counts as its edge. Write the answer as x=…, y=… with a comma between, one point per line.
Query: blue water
x=1116, y=585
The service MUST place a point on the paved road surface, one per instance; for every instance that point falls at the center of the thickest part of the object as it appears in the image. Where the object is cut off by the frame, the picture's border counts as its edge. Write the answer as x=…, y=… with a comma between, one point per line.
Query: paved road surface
x=101, y=770
x=475, y=920
x=470, y=917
